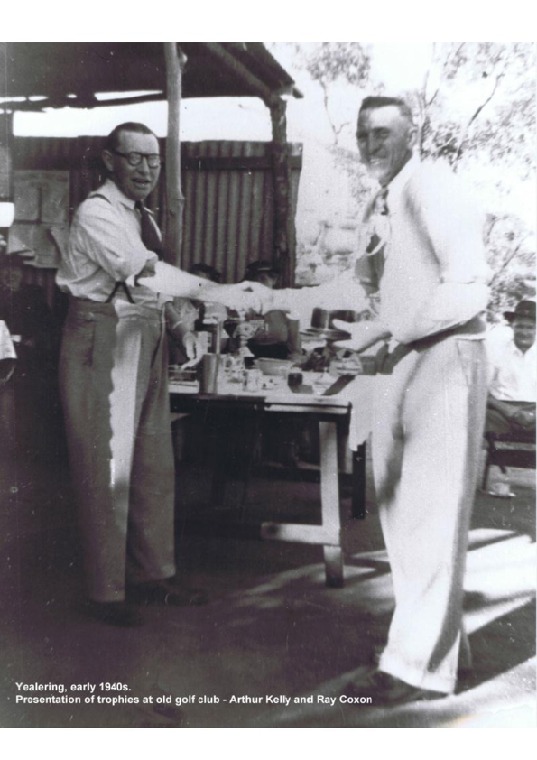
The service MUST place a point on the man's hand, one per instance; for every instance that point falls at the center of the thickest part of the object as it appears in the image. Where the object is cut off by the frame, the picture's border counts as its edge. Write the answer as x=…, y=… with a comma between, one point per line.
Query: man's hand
x=243, y=296
x=363, y=334
x=525, y=418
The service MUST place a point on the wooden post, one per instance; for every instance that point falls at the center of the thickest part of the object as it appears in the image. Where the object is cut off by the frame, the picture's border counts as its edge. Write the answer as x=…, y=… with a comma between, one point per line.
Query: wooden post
x=6, y=177
x=284, y=231
x=173, y=229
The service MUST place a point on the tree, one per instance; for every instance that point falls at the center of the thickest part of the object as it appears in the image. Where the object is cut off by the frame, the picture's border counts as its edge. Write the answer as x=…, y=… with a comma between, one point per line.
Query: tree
x=511, y=258
x=331, y=62
x=496, y=84
x=494, y=129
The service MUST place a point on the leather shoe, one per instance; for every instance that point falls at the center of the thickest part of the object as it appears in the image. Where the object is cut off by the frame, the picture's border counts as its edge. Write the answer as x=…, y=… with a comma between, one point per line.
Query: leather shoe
x=114, y=613
x=385, y=689
x=168, y=593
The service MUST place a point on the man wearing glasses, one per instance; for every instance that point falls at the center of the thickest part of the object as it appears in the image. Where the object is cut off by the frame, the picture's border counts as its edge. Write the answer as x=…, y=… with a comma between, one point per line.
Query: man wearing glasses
x=113, y=376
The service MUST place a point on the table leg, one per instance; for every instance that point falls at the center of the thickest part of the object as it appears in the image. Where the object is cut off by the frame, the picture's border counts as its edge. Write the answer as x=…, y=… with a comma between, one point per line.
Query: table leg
x=333, y=555
x=358, y=482
x=333, y=563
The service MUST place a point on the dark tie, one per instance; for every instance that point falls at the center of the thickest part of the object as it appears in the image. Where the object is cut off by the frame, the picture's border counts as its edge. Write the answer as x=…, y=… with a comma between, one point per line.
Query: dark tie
x=380, y=207
x=151, y=235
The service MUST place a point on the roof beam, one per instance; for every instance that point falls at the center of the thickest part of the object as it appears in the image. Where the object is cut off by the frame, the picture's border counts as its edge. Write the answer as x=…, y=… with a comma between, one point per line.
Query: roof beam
x=234, y=65
x=79, y=101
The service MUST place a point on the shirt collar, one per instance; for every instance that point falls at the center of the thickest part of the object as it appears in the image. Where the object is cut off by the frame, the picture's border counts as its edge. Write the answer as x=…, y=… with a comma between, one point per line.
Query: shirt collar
x=115, y=194
x=518, y=352
x=400, y=179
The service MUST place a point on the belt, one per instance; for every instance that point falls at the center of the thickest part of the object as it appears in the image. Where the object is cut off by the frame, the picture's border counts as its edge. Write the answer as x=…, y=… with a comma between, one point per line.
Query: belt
x=475, y=326
x=87, y=304
x=386, y=360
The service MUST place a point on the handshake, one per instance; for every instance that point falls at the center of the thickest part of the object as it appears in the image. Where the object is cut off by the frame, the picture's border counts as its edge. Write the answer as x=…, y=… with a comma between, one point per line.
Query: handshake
x=170, y=280
x=245, y=296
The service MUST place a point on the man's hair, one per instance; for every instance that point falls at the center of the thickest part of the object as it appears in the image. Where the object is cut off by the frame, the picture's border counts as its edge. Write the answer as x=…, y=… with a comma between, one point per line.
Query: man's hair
x=206, y=270
x=378, y=101
x=111, y=142
x=255, y=268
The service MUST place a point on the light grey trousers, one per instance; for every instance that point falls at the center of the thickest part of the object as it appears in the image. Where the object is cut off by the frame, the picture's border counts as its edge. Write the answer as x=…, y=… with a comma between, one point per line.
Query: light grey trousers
x=427, y=433
x=114, y=389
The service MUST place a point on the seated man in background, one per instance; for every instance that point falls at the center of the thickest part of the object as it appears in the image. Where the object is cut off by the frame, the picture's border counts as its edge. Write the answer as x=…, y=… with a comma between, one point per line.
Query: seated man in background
x=500, y=329
x=512, y=375
x=280, y=338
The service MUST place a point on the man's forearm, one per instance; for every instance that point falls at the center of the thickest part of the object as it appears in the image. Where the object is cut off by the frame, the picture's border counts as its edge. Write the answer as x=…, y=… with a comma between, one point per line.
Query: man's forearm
x=170, y=280
x=449, y=305
x=503, y=407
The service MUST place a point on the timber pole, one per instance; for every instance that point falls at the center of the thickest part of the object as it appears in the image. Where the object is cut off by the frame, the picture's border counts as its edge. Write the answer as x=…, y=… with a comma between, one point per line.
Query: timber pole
x=284, y=231
x=173, y=231
x=7, y=198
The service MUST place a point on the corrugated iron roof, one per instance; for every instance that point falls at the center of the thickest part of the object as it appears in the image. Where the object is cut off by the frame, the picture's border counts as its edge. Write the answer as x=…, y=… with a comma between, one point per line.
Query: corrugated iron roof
x=56, y=71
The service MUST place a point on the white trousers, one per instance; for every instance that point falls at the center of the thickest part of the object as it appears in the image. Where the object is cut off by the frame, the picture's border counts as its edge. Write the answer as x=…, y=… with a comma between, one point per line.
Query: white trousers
x=114, y=386
x=428, y=426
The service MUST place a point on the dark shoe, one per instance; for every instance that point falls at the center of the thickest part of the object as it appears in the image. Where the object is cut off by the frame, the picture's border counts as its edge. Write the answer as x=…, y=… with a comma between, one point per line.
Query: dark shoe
x=385, y=690
x=166, y=592
x=114, y=613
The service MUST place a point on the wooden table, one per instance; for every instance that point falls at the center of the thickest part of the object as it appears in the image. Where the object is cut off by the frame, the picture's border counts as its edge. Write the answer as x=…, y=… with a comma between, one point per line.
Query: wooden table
x=327, y=410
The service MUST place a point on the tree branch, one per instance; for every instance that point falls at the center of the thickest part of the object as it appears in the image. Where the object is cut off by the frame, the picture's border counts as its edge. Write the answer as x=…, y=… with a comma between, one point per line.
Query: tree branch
x=487, y=101
x=477, y=112
x=335, y=131
x=507, y=261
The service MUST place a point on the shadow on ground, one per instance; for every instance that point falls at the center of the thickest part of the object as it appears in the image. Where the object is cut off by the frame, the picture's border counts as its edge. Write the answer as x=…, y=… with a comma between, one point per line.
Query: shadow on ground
x=272, y=632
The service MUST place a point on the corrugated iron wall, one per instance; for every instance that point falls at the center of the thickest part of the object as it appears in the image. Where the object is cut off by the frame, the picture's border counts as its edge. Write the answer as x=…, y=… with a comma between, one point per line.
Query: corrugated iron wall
x=228, y=189
x=228, y=206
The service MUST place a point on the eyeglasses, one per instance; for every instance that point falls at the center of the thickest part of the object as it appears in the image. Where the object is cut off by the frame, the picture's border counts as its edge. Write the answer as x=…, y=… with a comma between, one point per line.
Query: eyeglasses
x=154, y=160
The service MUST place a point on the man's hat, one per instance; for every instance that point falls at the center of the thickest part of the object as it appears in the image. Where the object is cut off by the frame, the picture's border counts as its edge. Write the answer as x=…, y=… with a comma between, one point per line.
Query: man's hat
x=523, y=310
x=257, y=267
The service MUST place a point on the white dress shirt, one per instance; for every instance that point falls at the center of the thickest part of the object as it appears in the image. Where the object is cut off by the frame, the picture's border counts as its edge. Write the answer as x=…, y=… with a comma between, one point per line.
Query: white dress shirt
x=105, y=247
x=433, y=262
x=435, y=273
x=512, y=373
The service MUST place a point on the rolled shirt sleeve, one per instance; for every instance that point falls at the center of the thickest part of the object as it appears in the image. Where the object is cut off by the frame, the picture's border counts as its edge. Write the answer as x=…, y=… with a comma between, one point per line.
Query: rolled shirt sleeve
x=343, y=292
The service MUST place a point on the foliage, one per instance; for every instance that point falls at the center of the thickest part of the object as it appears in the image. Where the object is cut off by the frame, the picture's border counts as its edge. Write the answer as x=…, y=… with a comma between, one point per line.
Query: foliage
x=330, y=62
x=511, y=258
x=498, y=117
x=335, y=59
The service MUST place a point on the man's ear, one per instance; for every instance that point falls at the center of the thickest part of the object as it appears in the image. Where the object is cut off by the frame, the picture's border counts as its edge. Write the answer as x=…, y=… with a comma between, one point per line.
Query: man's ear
x=108, y=161
x=412, y=135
